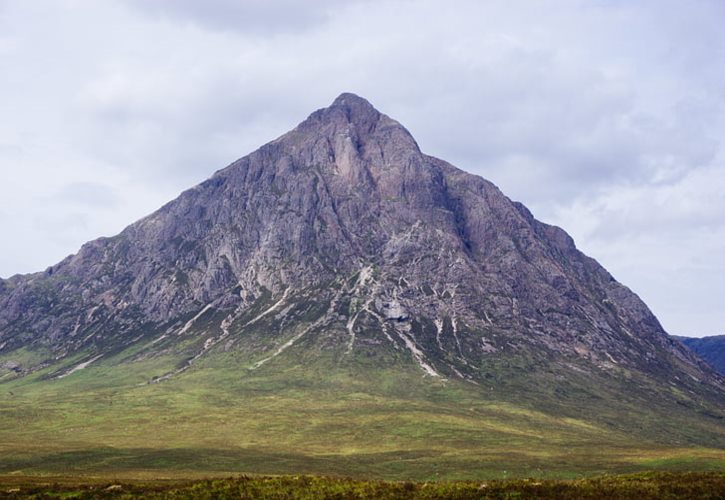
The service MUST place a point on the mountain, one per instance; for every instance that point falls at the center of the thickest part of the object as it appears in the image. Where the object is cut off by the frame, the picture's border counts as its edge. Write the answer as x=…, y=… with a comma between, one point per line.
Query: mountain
x=340, y=259
x=711, y=349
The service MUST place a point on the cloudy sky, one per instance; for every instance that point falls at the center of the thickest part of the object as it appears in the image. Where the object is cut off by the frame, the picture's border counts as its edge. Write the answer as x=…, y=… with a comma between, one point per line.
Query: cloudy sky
x=604, y=117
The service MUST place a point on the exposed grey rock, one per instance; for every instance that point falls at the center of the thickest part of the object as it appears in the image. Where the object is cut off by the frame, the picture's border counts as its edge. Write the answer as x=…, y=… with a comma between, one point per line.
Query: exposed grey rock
x=11, y=365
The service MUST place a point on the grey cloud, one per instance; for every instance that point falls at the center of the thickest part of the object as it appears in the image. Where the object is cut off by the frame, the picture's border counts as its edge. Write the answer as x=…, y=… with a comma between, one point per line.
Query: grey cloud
x=259, y=17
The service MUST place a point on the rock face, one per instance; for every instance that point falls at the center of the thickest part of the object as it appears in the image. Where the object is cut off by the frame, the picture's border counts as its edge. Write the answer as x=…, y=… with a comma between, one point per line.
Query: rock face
x=343, y=231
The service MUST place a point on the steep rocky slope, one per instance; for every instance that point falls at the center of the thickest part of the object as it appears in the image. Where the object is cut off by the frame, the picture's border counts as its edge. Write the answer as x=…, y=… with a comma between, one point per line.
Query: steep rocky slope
x=342, y=234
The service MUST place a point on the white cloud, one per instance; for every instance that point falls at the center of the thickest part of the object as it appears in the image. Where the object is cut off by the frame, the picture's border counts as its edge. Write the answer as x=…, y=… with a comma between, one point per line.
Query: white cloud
x=604, y=117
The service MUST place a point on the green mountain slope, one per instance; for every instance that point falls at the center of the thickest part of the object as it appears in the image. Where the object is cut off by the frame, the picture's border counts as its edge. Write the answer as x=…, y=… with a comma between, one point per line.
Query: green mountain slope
x=317, y=409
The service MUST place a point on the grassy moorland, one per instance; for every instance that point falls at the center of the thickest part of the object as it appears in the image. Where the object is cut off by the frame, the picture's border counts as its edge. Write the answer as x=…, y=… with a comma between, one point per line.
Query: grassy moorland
x=308, y=412
x=639, y=486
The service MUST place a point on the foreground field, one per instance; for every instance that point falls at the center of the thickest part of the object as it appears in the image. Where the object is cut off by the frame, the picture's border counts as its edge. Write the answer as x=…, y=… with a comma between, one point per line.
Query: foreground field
x=369, y=414
x=346, y=419
x=640, y=486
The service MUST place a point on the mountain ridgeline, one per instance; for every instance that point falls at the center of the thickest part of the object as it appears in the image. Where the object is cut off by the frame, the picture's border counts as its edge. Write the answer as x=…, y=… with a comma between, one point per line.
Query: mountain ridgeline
x=341, y=242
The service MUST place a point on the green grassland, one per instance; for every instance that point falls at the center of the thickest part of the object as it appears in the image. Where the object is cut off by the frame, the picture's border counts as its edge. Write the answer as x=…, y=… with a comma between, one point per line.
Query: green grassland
x=316, y=410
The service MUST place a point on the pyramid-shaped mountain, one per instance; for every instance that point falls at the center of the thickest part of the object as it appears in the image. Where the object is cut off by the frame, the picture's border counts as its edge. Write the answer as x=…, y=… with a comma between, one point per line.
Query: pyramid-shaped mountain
x=344, y=221
x=342, y=244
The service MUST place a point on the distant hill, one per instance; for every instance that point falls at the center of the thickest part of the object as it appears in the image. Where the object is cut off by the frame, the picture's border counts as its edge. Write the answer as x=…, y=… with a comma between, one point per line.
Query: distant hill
x=711, y=349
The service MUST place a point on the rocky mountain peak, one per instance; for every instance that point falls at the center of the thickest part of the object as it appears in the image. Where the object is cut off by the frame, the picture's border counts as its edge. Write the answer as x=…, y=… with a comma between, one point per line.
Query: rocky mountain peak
x=343, y=232
x=352, y=127
x=354, y=104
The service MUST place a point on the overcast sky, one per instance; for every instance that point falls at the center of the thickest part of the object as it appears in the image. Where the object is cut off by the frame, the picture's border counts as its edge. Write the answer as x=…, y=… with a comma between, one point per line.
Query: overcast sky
x=606, y=118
